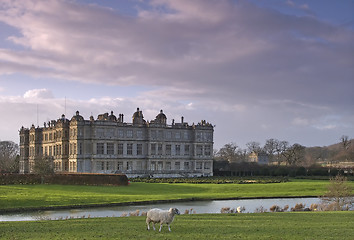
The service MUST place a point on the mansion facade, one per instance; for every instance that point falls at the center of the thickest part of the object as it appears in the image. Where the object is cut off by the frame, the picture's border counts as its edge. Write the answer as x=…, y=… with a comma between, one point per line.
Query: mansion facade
x=110, y=145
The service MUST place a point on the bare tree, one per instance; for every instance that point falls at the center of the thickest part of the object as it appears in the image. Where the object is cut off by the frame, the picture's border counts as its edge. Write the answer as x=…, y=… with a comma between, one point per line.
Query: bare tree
x=339, y=195
x=229, y=152
x=294, y=154
x=43, y=165
x=9, y=159
x=345, y=142
x=280, y=148
x=253, y=147
x=270, y=148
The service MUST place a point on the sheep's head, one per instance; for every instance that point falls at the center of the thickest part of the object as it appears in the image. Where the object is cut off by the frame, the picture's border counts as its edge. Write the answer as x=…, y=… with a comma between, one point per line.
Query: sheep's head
x=174, y=211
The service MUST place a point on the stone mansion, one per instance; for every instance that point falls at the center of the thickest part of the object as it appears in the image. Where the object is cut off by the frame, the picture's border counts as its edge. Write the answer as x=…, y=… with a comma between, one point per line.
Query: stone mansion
x=110, y=145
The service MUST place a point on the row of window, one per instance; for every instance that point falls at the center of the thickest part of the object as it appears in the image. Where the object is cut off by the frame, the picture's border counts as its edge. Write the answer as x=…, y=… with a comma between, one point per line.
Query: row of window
x=154, y=166
x=54, y=150
x=130, y=149
x=155, y=149
x=122, y=133
x=51, y=136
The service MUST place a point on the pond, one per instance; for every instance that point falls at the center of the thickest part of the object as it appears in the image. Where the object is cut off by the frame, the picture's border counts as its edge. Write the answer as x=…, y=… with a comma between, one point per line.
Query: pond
x=193, y=206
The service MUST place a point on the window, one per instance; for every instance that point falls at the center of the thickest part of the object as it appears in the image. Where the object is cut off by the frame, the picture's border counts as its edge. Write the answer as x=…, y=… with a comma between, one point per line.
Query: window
x=100, y=148
x=207, y=150
x=120, y=133
x=199, y=165
x=153, y=148
x=159, y=165
x=109, y=166
x=139, y=149
x=209, y=137
x=120, y=148
x=153, y=134
x=129, y=133
x=168, y=149
x=75, y=147
x=186, y=150
x=199, y=136
x=178, y=135
x=50, y=151
x=110, y=148
x=129, y=166
x=186, y=165
x=139, y=134
x=129, y=149
x=120, y=166
x=159, y=149
x=185, y=134
x=100, y=165
x=199, y=150
x=168, y=166
x=207, y=165
x=153, y=166
x=168, y=135
x=177, y=165
x=178, y=150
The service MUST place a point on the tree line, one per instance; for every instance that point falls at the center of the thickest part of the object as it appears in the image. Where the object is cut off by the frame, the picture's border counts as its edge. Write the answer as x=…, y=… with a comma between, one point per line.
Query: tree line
x=283, y=153
x=277, y=151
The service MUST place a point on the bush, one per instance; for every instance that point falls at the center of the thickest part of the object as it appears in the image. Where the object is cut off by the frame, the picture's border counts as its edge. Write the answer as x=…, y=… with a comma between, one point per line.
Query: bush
x=298, y=207
x=275, y=208
x=213, y=180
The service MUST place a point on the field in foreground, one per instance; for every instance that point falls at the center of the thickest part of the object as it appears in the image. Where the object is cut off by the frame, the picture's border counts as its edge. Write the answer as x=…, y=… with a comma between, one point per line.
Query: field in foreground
x=289, y=225
x=36, y=196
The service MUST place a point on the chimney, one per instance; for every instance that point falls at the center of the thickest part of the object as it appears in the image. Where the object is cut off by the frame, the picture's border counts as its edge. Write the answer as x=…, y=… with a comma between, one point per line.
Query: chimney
x=182, y=119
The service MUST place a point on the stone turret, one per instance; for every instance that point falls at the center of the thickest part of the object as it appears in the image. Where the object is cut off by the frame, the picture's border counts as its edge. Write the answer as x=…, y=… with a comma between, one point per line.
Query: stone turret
x=138, y=118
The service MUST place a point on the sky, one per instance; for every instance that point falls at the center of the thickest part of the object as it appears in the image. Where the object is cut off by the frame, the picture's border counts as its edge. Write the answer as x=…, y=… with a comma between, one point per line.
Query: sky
x=255, y=69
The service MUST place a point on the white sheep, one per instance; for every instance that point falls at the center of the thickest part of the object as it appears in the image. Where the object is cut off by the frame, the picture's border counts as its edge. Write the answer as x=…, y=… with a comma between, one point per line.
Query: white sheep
x=156, y=215
x=240, y=209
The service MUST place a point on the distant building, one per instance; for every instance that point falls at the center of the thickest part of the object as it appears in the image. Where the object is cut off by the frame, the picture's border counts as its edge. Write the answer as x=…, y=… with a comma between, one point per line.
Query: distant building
x=110, y=145
x=260, y=158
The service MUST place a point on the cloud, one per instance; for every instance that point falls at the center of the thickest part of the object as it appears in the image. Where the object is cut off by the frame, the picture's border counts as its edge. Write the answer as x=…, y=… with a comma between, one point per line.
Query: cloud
x=300, y=121
x=224, y=60
x=38, y=94
x=190, y=46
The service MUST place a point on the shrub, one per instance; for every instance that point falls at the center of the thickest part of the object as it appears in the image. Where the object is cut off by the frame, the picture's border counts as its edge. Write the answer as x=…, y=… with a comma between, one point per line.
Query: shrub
x=225, y=210
x=275, y=208
x=298, y=207
x=339, y=194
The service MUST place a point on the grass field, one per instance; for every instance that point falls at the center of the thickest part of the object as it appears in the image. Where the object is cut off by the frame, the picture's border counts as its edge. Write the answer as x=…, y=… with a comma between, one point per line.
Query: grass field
x=34, y=196
x=289, y=225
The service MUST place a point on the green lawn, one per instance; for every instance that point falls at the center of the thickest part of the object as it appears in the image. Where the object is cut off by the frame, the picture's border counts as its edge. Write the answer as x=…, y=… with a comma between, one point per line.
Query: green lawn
x=289, y=225
x=24, y=196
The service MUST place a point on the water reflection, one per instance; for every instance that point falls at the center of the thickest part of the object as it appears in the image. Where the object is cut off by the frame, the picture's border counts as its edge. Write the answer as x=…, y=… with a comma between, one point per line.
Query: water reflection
x=194, y=206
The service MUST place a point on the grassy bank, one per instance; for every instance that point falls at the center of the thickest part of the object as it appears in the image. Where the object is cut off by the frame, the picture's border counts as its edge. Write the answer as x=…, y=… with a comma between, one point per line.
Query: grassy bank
x=304, y=225
x=35, y=196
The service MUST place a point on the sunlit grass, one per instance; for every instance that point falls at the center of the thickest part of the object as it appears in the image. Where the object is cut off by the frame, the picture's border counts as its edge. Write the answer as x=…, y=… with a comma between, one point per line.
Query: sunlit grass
x=24, y=196
x=290, y=225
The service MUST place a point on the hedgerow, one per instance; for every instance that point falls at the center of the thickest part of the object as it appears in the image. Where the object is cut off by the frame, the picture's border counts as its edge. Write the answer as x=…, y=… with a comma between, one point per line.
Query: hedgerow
x=212, y=180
